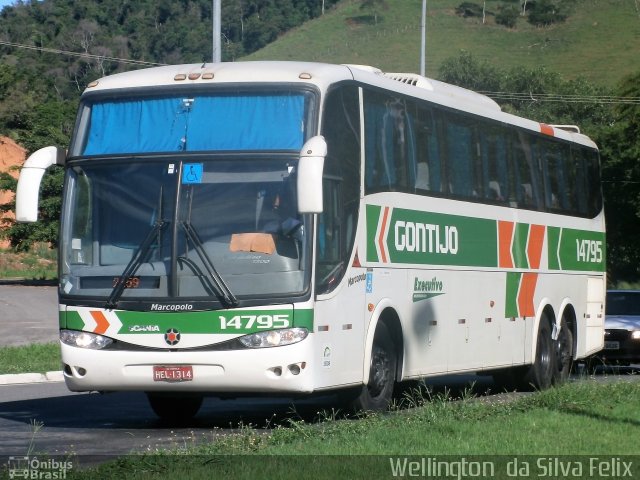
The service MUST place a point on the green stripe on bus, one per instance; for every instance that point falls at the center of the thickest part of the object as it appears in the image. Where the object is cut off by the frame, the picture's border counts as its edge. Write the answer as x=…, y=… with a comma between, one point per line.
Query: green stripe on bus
x=519, y=247
x=428, y=238
x=553, y=241
x=210, y=322
x=73, y=321
x=511, y=300
x=373, y=217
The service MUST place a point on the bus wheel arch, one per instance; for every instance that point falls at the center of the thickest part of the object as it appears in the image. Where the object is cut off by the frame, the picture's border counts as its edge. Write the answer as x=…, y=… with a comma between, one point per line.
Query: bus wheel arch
x=383, y=362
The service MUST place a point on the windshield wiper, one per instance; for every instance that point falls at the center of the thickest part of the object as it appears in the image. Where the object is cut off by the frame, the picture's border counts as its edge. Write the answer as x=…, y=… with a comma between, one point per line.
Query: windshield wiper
x=136, y=260
x=223, y=291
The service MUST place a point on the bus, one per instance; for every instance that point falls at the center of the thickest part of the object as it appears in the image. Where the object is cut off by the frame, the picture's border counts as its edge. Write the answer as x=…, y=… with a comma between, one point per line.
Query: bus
x=289, y=228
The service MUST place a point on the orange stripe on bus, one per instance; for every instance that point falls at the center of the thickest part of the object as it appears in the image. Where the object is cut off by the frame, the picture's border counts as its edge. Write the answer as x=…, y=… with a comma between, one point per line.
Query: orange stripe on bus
x=525, y=295
x=547, y=129
x=383, y=253
x=102, y=324
x=534, y=248
x=505, y=234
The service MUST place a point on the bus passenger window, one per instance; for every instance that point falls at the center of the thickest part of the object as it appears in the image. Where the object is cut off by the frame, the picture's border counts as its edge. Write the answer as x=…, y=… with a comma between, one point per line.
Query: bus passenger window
x=527, y=175
x=460, y=165
x=390, y=144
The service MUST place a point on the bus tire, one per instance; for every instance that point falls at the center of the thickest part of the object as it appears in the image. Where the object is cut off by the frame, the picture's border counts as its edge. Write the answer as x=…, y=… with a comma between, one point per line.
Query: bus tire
x=564, y=354
x=376, y=395
x=539, y=375
x=173, y=408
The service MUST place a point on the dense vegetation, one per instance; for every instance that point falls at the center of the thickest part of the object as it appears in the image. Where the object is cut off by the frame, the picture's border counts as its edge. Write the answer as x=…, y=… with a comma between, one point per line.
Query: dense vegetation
x=39, y=89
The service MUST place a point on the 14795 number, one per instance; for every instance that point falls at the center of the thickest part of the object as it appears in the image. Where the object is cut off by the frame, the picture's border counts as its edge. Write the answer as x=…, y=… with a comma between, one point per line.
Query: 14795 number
x=589, y=251
x=245, y=322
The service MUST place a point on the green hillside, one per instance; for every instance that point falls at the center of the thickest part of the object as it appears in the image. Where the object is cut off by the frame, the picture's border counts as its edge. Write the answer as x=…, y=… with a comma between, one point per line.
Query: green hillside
x=600, y=40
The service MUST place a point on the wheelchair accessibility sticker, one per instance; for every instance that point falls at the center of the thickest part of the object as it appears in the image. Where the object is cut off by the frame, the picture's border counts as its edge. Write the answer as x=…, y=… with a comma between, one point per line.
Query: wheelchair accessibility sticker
x=192, y=173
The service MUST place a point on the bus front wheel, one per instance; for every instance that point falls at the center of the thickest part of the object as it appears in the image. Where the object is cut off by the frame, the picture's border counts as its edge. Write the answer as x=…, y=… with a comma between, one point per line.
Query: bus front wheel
x=173, y=408
x=376, y=395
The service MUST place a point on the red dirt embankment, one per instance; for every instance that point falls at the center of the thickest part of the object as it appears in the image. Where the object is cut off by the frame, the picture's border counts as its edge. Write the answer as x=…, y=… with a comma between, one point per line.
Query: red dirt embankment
x=11, y=155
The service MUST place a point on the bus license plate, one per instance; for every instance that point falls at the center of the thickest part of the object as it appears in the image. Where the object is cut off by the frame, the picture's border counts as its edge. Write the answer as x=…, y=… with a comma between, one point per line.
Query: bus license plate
x=612, y=345
x=182, y=373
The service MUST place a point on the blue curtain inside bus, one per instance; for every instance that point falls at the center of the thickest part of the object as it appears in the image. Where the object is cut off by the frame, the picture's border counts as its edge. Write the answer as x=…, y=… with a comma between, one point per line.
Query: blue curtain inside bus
x=273, y=122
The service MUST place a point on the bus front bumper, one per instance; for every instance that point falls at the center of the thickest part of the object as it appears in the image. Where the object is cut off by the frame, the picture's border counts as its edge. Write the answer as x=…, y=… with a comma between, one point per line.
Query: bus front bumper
x=284, y=369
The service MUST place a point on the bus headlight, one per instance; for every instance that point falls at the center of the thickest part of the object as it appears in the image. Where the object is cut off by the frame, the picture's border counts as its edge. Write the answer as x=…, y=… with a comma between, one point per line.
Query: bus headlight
x=274, y=338
x=84, y=339
x=635, y=335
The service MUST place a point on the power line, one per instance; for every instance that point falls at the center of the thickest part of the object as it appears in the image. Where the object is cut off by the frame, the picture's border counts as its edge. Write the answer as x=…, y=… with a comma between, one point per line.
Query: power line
x=80, y=54
x=550, y=97
x=534, y=97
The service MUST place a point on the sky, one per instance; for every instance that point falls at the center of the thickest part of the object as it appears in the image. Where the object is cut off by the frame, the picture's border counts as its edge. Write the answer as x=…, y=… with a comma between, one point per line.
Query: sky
x=4, y=3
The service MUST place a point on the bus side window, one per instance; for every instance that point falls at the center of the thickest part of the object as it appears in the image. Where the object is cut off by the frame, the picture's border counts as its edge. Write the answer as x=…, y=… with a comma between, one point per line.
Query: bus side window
x=390, y=143
x=493, y=155
x=592, y=161
x=379, y=169
x=587, y=181
x=528, y=188
x=428, y=151
x=460, y=164
x=341, y=186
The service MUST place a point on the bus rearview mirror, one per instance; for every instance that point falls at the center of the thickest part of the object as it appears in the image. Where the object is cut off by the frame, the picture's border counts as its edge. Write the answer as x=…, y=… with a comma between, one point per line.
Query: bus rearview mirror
x=310, y=169
x=30, y=178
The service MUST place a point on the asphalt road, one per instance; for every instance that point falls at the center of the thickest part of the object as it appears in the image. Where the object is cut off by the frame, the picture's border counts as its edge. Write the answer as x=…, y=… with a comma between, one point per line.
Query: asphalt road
x=47, y=419
x=28, y=314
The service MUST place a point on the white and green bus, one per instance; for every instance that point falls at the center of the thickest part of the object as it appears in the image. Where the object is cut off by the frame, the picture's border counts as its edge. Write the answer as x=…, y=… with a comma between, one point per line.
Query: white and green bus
x=294, y=228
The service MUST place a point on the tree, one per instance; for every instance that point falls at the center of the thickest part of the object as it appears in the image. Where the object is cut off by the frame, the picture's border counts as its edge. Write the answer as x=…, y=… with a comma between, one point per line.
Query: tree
x=507, y=15
x=374, y=6
x=546, y=12
x=466, y=71
x=620, y=152
x=23, y=235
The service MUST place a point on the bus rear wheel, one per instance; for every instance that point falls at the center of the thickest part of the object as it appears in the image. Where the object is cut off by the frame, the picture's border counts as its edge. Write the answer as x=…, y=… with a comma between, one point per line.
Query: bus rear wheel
x=540, y=374
x=564, y=354
x=376, y=395
x=174, y=408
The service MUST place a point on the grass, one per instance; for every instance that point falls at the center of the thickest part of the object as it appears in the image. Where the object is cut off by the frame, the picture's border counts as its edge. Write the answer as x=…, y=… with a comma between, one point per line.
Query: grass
x=580, y=418
x=37, y=358
x=38, y=264
x=599, y=41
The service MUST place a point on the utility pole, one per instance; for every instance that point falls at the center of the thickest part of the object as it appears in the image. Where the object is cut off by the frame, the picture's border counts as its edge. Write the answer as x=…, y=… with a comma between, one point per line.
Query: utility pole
x=423, y=49
x=217, y=36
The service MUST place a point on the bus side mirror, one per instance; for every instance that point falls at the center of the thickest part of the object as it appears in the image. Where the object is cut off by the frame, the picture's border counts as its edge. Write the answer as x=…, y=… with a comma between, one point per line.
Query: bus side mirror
x=30, y=178
x=310, y=168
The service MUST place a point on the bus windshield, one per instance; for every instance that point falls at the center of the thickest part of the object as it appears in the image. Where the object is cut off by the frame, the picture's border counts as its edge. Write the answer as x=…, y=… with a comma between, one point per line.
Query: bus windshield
x=181, y=228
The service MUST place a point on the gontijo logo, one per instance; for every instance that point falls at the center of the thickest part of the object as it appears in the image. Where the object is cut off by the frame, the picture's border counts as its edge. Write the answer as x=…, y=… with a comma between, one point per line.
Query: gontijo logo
x=425, y=237
x=397, y=235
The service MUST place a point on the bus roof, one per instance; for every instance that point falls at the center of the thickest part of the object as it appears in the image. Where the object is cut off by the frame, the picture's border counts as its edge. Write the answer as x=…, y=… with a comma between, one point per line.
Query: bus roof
x=323, y=75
